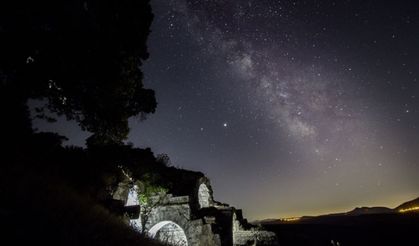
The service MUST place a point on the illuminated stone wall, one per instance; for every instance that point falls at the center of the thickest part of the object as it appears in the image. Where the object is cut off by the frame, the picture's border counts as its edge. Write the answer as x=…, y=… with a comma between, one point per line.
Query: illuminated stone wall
x=195, y=219
x=169, y=233
x=204, y=197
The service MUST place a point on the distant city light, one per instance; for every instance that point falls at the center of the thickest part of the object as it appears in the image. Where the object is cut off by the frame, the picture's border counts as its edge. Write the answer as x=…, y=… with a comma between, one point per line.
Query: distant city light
x=409, y=209
x=290, y=219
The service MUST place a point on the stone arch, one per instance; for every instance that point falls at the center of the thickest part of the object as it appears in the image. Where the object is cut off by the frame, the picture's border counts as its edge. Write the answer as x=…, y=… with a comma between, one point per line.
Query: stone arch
x=204, y=196
x=169, y=233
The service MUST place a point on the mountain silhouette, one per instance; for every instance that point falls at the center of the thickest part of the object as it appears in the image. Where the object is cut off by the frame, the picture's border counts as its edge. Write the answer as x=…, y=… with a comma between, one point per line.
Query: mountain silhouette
x=409, y=204
x=358, y=211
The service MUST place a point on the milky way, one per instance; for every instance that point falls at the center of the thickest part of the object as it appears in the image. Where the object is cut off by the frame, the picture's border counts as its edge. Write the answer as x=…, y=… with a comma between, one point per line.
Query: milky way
x=290, y=107
x=302, y=97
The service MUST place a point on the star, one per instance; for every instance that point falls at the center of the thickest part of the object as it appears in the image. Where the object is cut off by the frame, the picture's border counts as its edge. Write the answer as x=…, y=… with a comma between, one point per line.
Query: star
x=225, y=124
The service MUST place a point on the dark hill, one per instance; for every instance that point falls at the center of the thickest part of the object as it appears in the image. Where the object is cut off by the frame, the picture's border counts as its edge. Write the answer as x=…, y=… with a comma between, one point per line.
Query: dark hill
x=37, y=210
x=360, y=226
x=409, y=204
x=370, y=210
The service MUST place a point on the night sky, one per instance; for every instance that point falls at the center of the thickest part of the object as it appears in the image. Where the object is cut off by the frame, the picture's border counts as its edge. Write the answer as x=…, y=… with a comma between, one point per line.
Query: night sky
x=290, y=107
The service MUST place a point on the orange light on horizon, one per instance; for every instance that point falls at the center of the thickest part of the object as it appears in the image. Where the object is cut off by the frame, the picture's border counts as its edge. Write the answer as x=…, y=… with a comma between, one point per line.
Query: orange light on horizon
x=409, y=209
x=291, y=219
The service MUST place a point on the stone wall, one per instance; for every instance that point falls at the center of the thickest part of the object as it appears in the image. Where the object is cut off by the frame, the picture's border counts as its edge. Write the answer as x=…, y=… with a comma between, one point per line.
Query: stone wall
x=204, y=197
x=254, y=238
x=177, y=210
x=195, y=219
x=245, y=234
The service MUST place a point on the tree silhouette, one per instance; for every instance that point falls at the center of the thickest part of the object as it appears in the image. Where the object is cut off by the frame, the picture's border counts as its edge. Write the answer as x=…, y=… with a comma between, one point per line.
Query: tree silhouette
x=84, y=56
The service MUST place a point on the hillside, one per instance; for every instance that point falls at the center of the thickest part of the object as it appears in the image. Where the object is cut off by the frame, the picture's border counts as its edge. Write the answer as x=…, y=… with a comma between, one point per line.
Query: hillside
x=360, y=226
x=409, y=205
x=38, y=210
x=369, y=210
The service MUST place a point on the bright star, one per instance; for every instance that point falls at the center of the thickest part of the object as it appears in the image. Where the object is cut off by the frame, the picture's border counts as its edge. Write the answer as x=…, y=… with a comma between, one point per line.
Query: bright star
x=225, y=124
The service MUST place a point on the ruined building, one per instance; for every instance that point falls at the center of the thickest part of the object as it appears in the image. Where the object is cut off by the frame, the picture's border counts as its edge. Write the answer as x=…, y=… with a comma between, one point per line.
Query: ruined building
x=188, y=215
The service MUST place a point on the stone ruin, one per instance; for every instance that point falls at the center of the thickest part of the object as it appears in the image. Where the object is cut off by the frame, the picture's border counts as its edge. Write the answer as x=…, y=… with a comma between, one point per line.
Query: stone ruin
x=189, y=216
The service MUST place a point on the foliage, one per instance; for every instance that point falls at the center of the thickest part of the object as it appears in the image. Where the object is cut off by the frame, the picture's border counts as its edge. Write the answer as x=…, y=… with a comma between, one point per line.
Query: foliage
x=164, y=159
x=148, y=189
x=84, y=56
x=144, y=198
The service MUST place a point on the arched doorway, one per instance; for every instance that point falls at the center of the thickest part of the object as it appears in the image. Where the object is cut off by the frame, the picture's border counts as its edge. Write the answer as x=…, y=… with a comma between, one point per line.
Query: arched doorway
x=132, y=199
x=204, y=196
x=169, y=233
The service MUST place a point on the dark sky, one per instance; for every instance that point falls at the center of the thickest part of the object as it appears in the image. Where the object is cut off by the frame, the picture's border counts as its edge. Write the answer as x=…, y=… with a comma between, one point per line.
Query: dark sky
x=290, y=107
